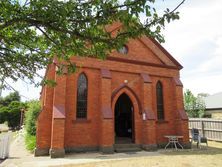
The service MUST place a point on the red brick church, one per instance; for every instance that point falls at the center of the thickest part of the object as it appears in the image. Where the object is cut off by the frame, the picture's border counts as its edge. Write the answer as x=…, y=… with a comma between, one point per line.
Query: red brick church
x=133, y=97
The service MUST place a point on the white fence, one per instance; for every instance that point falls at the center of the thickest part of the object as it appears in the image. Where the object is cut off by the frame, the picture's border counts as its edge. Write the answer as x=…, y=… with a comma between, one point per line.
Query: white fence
x=4, y=146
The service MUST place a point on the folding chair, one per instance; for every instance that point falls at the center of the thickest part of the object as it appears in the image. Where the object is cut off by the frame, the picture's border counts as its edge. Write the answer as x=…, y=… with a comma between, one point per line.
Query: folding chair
x=196, y=137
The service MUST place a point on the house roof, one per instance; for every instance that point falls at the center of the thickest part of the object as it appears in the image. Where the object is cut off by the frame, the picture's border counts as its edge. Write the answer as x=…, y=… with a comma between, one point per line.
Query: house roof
x=213, y=101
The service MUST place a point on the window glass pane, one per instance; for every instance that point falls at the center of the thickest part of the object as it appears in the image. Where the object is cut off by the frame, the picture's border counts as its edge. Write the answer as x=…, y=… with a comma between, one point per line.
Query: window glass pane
x=159, y=100
x=82, y=97
x=123, y=50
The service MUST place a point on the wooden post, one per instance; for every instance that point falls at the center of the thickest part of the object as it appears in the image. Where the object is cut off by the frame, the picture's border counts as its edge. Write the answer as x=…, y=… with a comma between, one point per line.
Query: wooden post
x=202, y=128
x=21, y=117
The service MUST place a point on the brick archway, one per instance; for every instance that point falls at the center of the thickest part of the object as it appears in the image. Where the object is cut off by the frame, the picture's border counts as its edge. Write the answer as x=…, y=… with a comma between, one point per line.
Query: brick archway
x=136, y=109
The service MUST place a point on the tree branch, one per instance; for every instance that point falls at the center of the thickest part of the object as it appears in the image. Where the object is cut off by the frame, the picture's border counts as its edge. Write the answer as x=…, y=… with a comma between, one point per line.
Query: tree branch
x=11, y=87
x=46, y=35
x=152, y=22
x=177, y=7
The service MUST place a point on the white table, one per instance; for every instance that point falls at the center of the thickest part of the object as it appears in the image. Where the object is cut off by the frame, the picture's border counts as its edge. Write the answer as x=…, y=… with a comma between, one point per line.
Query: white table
x=174, y=140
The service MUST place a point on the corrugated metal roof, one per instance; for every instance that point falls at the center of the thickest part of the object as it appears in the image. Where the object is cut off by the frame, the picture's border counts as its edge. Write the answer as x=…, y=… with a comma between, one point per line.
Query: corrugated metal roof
x=213, y=101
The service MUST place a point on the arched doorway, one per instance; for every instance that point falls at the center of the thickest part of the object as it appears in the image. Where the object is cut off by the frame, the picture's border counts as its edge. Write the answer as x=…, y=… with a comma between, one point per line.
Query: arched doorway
x=124, y=124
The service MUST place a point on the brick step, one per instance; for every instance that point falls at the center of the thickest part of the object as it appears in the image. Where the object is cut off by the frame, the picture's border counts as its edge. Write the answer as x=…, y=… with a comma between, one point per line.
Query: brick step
x=127, y=148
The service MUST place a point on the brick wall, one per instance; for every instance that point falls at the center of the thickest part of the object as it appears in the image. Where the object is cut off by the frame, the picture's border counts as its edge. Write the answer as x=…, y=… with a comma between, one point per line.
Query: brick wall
x=125, y=78
x=44, y=122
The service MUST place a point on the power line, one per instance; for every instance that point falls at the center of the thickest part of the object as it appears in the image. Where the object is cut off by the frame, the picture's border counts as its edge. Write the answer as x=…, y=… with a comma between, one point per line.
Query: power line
x=16, y=90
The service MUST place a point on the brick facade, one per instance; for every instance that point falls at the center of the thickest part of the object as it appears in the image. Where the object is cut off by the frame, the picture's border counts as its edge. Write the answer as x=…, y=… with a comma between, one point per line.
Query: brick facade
x=136, y=75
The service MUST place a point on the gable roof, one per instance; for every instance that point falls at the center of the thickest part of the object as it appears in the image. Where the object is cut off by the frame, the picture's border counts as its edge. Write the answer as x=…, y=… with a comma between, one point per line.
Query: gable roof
x=213, y=101
x=160, y=51
x=166, y=53
x=162, y=57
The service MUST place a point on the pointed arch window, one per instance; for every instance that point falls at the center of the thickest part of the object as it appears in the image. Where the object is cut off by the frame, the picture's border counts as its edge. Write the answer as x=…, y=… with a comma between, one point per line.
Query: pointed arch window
x=82, y=91
x=159, y=101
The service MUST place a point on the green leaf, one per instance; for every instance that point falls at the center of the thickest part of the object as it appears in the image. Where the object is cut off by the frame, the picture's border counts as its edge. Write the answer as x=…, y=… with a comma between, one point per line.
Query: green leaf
x=32, y=34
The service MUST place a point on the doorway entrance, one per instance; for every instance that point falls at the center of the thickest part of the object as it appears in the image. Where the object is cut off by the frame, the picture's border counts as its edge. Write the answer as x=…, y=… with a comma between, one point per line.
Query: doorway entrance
x=124, y=126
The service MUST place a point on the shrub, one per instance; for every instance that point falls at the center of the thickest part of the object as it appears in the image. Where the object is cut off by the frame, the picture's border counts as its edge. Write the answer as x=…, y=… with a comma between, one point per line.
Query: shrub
x=30, y=124
x=31, y=116
x=30, y=142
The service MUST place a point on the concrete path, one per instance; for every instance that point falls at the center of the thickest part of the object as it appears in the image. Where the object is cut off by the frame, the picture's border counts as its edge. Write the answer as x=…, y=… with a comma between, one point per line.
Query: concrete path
x=17, y=150
x=71, y=160
x=19, y=156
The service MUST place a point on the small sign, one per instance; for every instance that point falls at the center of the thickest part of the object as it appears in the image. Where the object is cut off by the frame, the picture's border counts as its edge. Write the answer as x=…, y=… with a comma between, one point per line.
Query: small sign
x=144, y=116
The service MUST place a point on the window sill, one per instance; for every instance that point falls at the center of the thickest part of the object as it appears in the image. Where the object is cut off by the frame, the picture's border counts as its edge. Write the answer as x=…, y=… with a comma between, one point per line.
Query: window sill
x=162, y=122
x=81, y=121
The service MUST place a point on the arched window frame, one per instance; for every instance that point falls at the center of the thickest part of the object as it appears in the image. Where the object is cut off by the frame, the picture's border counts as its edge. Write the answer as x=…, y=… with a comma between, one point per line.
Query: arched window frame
x=159, y=101
x=82, y=96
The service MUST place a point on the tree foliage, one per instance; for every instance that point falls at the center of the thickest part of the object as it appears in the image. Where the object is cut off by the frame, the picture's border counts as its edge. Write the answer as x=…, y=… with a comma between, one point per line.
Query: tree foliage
x=10, y=109
x=194, y=106
x=10, y=98
x=3, y=114
x=14, y=113
x=32, y=32
x=4, y=105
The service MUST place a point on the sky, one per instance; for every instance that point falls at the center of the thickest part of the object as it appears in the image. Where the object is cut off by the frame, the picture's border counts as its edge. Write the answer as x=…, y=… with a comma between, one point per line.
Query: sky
x=195, y=40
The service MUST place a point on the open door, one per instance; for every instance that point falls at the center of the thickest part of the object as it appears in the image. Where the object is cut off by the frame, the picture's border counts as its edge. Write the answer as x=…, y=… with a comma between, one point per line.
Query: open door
x=124, y=125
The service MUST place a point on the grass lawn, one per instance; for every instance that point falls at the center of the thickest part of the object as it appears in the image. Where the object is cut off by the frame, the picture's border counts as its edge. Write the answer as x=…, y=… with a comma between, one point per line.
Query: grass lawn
x=205, y=157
